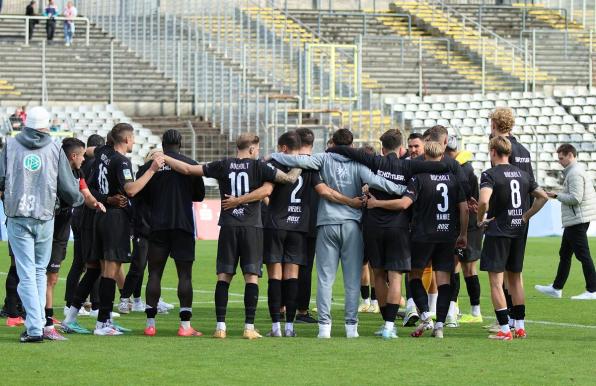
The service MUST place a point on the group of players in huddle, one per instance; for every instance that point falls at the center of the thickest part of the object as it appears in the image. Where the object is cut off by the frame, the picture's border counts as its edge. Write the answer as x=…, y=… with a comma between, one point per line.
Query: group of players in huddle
x=424, y=208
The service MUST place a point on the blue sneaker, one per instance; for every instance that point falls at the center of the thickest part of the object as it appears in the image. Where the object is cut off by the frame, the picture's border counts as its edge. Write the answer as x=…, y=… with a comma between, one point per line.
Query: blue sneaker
x=73, y=328
x=389, y=334
x=379, y=332
x=119, y=328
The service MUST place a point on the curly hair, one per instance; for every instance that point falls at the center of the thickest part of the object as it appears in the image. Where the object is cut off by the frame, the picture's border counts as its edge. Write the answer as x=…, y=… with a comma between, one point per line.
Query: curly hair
x=503, y=118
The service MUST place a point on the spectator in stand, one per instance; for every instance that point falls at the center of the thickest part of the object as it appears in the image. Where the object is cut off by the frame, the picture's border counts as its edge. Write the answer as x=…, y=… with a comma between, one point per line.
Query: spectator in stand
x=70, y=12
x=16, y=120
x=30, y=11
x=51, y=11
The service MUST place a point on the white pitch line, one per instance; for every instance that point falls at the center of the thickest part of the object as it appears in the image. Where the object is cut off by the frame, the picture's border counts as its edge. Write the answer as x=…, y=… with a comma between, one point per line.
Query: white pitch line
x=264, y=298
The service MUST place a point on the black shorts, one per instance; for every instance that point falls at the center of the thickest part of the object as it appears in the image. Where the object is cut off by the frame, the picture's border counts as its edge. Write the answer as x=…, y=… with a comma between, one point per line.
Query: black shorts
x=473, y=250
x=388, y=248
x=440, y=255
x=173, y=242
x=60, y=240
x=500, y=254
x=111, y=240
x=87, y=232
x=242, y=245
x=286, y=247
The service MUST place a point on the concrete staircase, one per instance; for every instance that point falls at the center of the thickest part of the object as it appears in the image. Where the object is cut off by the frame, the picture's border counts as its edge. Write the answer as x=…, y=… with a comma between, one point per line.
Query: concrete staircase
x=79, y=72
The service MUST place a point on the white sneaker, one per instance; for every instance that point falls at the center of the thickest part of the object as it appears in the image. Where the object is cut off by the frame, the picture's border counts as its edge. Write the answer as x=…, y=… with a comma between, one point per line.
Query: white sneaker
x=324, y=331
x=123, y=307
x=549, y=290
x=352, y=331
x=114, y=315
x=161, y=309
x=138, y=307
x=83, y=312
x=93, y=313
x=106, y=330
x=165, y=305
x=585, y=296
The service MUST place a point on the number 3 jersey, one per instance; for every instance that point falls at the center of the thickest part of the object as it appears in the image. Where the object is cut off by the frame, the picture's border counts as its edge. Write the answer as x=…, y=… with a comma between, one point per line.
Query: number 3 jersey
x=508, y=202
x=436, y=197
x=290, y=204
x=238, y=177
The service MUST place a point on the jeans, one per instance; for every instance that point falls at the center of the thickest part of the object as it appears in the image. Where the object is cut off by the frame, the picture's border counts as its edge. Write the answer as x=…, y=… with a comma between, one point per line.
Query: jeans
x=68, y=32
x=337, y=243
x=575, y=241
x=31, y=242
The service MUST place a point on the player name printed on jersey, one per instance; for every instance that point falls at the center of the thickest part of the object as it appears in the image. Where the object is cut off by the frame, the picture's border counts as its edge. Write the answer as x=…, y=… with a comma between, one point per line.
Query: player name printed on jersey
x=391, y=176
x=522, y=160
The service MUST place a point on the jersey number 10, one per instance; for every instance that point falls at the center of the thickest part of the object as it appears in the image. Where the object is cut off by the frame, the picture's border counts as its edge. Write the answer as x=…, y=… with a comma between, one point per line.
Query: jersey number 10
x=239, y=183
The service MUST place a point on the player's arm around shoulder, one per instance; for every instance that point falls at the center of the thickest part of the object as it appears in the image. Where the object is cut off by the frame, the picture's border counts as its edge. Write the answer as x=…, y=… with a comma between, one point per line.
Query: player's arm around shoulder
x=134, y=187
x=329, y=194
x=184, y=167
x=377, y=182
x=261, y=193
x=314, y=162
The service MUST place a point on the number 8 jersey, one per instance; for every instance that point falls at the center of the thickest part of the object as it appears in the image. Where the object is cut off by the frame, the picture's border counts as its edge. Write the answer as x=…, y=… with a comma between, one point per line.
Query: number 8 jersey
x=238, y=177
x=436, y=200
x=508, y=202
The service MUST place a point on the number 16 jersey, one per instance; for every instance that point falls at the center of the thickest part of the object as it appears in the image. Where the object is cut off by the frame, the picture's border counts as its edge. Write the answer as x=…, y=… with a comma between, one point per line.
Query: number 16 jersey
x=238, y=177
x=508, y=202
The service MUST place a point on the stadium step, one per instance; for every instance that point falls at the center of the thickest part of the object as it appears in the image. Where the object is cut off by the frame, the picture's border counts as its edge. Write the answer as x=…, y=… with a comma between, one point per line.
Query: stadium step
x=497, y=54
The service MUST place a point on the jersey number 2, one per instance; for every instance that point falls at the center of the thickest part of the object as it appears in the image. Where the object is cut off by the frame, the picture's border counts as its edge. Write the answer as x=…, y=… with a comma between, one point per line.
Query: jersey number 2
x=444, y=206
x=239, y=183
x=293, y=199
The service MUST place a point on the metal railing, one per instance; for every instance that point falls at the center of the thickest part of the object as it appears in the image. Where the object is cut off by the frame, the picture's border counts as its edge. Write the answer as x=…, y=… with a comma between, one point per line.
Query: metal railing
x=578, y=11
x=27, y=19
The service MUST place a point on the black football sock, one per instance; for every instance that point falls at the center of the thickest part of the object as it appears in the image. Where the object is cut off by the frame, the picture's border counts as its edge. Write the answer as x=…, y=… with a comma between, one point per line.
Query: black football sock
x=221, y=300
x=49, y=317
x=107, y=292
x=391, y=312
x=364, y=292
x=185, y=315
x=289, y=294
x=373, y=294
x=151, y=312
x=12, y=295
x=519, y=312
x=443, y=302
x=94, y=295
x=383, y=310
x=455, y=285
x=407, y=287
x=473, y=286
x=419, y=295
x=509, y=301
x=251, y=299
x=502, y=317
x=274, y=299
x=85, y=287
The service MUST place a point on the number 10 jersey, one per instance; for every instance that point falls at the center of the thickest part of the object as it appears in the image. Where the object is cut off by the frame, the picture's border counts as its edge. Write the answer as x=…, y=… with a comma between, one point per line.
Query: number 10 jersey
x=238, y=177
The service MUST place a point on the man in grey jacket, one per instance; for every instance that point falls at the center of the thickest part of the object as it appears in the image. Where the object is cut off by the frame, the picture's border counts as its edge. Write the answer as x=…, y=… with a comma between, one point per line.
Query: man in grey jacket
x=33, y=172
x=339, y=237
x=578, y=208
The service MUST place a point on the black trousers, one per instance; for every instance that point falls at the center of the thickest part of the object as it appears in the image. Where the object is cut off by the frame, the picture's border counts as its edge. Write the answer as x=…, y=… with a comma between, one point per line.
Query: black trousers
x=575, y=241
x=134, y=279
x=305, y=277
x=50, y=28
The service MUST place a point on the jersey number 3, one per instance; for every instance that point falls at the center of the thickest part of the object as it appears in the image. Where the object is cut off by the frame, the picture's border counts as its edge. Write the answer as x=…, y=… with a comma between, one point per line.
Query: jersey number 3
x=239, y=183
x=444, y=206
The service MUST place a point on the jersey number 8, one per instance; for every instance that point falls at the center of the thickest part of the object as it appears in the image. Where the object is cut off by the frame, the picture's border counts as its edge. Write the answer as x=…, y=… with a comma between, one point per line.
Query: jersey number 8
x=515, y=194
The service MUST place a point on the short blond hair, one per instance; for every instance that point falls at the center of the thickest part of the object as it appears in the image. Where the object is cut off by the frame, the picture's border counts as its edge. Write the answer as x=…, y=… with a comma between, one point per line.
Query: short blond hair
x=246, y=140
x=433, y=149
x=503, y=118
x=501, y=145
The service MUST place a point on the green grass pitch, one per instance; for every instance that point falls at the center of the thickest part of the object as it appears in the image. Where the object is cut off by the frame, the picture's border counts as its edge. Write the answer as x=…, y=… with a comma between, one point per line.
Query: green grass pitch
x=560, y=349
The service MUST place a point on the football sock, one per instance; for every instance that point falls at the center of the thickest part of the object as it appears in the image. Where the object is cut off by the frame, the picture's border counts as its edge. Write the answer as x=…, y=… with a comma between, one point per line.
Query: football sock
x=251, y=298
x=289, y=294
x=519, y=314
x=432, y=302
x=407, y=286
x=473, y=287
x=185, y=316
x=12, y=295
x=274, y=299
x=221, y=300
x=503, y=319
x=107, y=291
x=443, y=300
x=509, y=300
x=364, y=292
x=419, y=294
x=151, y=312
x=390, y=312
x=49, y=317
x=83, y=290
x=383, y=310
x=275, y=326
x=150, y=322
x=439, y=325
x=455, y=284
x=373, y=294
x=452, y=313
x=289, y=326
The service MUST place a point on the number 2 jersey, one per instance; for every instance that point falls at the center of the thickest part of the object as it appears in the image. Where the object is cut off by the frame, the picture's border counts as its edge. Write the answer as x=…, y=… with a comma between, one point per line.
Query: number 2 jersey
x=238, y=177
x=508, y=202
x=436, y=197
x=290, y=204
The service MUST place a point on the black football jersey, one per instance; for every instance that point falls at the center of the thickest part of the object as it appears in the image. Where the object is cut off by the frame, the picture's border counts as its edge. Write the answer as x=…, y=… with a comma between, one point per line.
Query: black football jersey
x=111, y=171
x=169, y=196
x=238, y=177
x=289, y=205
x=508, y=202
x=520, y=157
x=435, y=217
